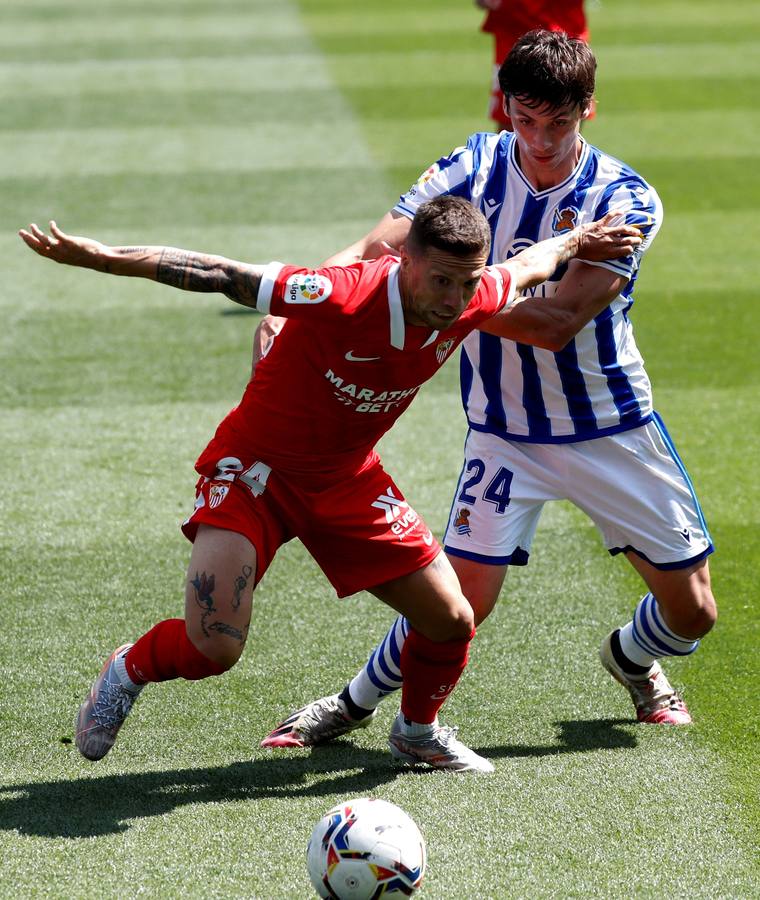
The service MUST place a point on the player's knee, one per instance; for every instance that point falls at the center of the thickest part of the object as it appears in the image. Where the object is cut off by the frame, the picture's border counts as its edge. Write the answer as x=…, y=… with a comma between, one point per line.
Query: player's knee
x=705, y=612
x=455, y=623
x=695, y=614
x=222, y=649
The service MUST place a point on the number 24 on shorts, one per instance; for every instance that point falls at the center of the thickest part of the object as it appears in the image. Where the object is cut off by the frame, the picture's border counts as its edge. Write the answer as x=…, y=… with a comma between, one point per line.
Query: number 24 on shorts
x=497, y=491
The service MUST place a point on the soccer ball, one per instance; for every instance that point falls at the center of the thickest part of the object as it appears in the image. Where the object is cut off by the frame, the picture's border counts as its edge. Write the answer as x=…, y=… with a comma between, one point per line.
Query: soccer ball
x=363, y=849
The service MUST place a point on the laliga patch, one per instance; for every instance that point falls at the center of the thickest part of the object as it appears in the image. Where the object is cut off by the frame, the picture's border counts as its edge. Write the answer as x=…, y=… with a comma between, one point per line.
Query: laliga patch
x=311, y=288
x=427, y=175
x=564, y=219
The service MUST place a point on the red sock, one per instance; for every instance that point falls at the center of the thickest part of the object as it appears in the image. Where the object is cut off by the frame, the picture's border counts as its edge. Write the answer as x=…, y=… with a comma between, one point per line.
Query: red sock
x=430, y=671
x=166, y=652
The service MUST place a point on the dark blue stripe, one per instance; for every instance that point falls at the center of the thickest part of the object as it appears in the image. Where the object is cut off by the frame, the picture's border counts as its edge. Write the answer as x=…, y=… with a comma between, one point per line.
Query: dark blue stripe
x=663, y=567
x=495, y=190
x=617, y=381
x=651, y=604
x=573, y=384
x=532, y=397
x=487, y=428
x=393, y=646
x=490, y=374
x=465, y=377
x=533, y=400
x=647, y=635
x=518, y=557
x=370, y=670
x=660, y=426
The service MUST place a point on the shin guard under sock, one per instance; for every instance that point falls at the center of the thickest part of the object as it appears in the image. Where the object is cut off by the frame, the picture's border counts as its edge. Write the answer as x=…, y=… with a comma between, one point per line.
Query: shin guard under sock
x=430, y=671
x=166, y=652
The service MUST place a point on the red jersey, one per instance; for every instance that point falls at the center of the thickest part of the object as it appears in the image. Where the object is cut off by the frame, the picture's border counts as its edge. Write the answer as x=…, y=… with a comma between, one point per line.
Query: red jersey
x=342, y=370
x=513, y=19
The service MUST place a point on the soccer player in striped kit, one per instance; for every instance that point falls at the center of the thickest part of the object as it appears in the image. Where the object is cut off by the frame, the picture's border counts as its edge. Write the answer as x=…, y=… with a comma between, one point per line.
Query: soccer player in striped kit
x=561, y=412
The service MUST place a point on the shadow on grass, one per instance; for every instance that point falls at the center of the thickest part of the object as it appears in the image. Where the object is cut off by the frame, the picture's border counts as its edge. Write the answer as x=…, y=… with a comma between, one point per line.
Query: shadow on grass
x=88, y=807
x=575, y=736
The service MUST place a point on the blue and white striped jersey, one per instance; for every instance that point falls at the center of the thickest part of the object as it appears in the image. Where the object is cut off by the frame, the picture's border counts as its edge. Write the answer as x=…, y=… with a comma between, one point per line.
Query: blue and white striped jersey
x=597, y=384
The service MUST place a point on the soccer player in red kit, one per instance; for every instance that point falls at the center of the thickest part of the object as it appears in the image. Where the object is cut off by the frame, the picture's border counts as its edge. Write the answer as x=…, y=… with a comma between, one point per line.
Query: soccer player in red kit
x=296, y=457
x=508, y=20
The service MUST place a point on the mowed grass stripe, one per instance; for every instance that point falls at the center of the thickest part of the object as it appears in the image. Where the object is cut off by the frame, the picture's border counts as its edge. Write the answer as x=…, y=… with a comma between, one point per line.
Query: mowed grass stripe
x=165, y=108
x=144, y=202
x=254, y=148
x=255, y=103
x=359, y=69
x=236, y=73
x=114, y=27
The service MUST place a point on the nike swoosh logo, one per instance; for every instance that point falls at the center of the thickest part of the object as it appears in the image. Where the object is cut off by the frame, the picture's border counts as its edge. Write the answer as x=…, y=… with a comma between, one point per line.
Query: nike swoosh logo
x=351, y=358
x=428, y=538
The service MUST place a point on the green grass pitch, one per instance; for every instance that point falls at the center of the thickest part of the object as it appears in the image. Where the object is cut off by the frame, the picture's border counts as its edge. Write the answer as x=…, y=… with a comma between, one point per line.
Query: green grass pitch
x=283, y=130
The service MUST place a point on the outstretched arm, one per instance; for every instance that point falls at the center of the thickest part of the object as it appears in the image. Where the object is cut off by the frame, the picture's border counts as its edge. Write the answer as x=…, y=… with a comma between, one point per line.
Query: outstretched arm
x=551, y=322
x=168, y=265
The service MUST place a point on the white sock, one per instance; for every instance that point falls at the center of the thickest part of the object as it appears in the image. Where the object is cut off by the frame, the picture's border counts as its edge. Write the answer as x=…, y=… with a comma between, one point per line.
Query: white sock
x=415, y=729
x=120, y=667
x=631, y=649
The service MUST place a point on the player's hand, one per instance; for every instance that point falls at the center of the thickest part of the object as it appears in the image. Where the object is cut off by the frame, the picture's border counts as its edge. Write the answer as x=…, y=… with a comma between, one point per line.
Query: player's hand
x=381, y=248
x=65, y=248
x=607, y=238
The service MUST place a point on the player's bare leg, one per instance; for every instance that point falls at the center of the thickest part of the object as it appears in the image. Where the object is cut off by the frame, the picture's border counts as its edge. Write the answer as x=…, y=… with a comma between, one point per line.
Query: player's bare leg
x=207, y=642
x=355, y=706
x=480, y=583
x=218, y=594
x=433, y=657
x=669, y=621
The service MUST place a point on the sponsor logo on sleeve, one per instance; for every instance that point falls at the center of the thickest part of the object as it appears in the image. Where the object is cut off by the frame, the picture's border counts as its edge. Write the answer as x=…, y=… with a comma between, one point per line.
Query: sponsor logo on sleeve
x=309, y=288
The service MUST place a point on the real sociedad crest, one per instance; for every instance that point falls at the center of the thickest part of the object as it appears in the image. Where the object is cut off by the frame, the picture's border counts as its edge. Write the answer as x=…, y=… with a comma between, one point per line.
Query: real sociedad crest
x=564, y=219
x=442, y=350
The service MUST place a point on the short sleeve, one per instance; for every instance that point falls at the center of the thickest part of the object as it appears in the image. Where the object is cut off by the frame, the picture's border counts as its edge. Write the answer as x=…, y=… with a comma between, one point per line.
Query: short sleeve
x=639, y=205
x=449, y=175
x=301, y=293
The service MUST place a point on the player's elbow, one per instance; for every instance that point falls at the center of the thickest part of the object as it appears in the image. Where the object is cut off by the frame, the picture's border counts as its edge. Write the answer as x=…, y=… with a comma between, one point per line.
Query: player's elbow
x=556, y=335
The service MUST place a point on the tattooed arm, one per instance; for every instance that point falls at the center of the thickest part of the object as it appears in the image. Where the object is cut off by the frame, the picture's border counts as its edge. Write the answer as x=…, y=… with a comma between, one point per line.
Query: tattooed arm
x=168, y=265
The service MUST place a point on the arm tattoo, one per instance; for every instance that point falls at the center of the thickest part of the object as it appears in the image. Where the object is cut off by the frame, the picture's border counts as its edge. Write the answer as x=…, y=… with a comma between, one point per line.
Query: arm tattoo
x=229, y=630
x=211, y=274
x=240, y=582
x=204, y=586
x=172, y=267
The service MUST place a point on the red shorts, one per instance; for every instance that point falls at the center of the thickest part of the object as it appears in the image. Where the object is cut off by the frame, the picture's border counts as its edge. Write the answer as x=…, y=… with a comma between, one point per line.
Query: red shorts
x=360, y=531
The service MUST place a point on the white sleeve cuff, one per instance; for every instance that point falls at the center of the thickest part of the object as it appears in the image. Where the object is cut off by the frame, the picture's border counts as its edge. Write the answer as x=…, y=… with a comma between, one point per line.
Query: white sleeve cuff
x=266, y=287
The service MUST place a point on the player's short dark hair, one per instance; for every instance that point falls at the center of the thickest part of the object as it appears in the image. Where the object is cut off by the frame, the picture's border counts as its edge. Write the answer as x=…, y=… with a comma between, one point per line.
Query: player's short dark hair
x=449, y=224
x=548, y=68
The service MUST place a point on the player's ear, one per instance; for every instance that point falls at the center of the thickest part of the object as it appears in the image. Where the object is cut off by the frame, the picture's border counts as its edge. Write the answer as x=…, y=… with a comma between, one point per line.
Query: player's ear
x=587, y=110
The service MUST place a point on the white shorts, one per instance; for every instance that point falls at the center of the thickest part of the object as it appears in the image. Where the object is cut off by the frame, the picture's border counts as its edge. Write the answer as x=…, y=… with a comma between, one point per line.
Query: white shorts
x=632, y=485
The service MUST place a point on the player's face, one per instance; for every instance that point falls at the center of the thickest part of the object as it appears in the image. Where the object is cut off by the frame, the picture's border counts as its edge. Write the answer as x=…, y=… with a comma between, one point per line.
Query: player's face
x=547, y=140
x=436, y=287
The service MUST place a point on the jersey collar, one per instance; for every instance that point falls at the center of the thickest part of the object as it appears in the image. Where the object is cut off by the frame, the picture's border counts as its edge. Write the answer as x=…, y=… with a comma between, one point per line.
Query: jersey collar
x=570, y=178
x=396, y=310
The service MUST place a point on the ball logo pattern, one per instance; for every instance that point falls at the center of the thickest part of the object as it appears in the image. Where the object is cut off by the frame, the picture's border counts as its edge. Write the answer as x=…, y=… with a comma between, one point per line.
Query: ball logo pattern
x=365, y=849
